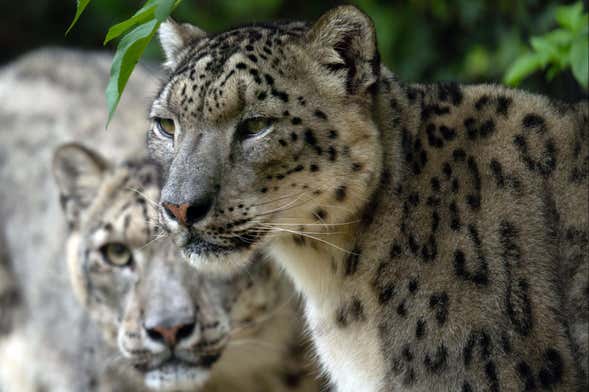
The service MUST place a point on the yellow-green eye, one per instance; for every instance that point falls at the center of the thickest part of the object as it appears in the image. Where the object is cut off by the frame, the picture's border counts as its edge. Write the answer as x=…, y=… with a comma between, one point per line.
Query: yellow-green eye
x=165, y=126
x=254, y=126
x=117, y=254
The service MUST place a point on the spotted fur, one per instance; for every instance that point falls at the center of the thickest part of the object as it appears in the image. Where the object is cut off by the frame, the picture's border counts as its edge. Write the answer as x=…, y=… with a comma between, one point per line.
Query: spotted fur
x=85, y=322
x=437, y=232
x=224, y=323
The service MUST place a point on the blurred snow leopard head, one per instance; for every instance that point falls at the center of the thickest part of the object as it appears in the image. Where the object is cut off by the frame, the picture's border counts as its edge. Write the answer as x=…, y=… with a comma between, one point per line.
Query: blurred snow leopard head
x=171, y=325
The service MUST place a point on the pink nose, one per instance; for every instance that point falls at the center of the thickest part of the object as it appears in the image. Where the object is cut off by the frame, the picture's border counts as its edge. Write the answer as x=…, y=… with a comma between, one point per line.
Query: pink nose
x=171, y=335
x=188, y=214
x=179, y=212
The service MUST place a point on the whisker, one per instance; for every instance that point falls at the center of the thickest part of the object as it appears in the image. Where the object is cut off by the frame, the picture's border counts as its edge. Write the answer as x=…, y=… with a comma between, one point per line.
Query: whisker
x=313, y=224
x=153, y=202
x=270, y=226
x=259, y=342
x=338, y=207
x=159, y=237
x=284, y=207
x=290, y=204
x=277, y=199
x=317, y=239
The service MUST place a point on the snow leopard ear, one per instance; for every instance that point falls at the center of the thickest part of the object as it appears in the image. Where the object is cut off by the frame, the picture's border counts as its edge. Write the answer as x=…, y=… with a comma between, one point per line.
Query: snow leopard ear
x=344, y=39
x=78, y=172
x=174, y=37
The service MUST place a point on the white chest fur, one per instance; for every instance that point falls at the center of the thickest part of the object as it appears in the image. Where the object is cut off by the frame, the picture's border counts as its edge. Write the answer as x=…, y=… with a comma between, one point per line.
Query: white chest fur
x=351, y=355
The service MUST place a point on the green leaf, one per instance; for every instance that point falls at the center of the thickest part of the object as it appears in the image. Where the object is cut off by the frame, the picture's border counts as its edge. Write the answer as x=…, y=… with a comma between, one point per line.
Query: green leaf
x=571, y=16
x=164, y=9
x=523, y=67
x=143, y=15
x=552, y=71
x=559, y=37
x=545, y=49
x=80, y=7
x=129, y=51
x=579, y=57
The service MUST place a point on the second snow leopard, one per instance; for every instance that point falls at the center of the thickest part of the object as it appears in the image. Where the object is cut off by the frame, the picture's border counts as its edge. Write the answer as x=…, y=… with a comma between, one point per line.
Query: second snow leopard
x=166, y=326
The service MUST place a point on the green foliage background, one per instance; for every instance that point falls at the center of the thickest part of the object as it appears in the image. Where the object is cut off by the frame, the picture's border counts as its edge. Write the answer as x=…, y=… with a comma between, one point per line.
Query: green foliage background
x=421, y=40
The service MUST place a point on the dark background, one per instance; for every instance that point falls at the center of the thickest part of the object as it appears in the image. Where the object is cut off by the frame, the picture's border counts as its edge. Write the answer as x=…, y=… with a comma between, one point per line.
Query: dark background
x=420, y=40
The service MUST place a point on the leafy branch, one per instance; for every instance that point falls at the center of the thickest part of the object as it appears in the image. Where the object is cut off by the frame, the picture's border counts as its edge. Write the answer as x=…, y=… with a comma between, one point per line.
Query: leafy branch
x=135, y=32
x=564, y=47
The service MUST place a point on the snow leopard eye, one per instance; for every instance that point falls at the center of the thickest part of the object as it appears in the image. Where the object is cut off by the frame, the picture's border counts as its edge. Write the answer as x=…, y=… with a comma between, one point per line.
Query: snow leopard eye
x=117, y=254
x=165, y=126
x=255, y=126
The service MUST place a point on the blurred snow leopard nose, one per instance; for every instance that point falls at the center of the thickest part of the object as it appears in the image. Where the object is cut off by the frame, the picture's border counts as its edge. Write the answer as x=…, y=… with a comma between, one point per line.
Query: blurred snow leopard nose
x=170, y=335
x=188, y=214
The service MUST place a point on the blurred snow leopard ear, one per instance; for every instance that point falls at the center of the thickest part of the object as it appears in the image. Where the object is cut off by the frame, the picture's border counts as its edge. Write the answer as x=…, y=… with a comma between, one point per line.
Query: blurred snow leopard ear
x=174, y=37
x=344, y=41
x=78, y=172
